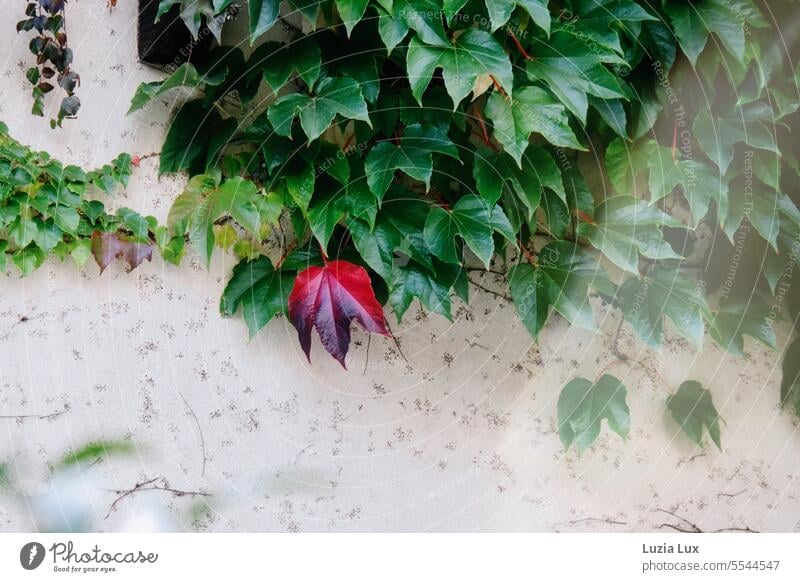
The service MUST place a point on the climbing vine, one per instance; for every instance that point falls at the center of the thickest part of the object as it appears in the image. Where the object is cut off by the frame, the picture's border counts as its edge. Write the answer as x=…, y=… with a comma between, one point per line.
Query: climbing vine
x=587, y=148
x=54, y=57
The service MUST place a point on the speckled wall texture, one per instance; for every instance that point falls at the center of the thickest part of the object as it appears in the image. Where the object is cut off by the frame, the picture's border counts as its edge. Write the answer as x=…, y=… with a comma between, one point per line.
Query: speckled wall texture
x=456, y=434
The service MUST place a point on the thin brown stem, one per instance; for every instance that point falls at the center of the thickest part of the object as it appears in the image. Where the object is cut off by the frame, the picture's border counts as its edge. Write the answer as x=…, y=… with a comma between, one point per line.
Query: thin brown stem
x=154, y=484
x=497, y=86
x=520, y=48
x=484, y=132
x=200, y=431
x=491, y=291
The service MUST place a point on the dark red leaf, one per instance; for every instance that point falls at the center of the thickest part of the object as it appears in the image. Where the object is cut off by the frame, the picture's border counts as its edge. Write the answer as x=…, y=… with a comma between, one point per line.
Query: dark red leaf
x=328, y=299
x=109, y=246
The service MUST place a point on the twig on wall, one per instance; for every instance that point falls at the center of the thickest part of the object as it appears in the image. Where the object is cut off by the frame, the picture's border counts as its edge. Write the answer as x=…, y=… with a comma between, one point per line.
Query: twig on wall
x=154, y=484
x=200, y=431
x=50, y=416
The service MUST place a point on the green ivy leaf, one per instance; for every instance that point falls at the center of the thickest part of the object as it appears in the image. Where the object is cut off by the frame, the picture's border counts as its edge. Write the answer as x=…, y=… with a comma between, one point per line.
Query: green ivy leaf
x=351, y=11
x=184, y=76
x=470, y=219
x=376, y=246
x=135, y=223
x=740, y=316
x=761, y=205
x=560, y=280
x=631, y=167
x=423, y=17
x=494, y=175
x=410, y=154
x=582, y=406
x=469, y=56
x=572, y=72
x=332, y=96
x=391, y=30
x=500, y=12
x=28, y=259
x=410, y=282
x=276, y=62
x=665, y=292
x=693, y=409
x=602, y=20
x=261, y=291
x=693, y=22
x=625, y=227
x=532, y=110
x=238, y=198
x=263, y=14
x=719, y=134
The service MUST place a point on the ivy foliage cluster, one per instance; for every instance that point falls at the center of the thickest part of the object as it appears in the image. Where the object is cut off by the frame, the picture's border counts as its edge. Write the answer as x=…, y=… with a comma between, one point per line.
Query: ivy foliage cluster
x=53, y=58
x=610, y=148
x=48, y=208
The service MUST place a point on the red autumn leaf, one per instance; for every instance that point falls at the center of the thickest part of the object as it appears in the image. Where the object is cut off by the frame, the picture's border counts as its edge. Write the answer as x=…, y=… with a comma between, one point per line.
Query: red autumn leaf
x=109, y=246
x=328, y=299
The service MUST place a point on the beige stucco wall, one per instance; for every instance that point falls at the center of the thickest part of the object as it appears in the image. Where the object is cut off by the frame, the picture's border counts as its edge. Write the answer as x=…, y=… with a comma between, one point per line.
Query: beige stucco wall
x=462, y=436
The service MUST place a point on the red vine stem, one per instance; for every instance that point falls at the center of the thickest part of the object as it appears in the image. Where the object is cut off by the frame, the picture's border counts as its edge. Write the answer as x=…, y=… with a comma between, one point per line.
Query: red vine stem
x=438, y=197
x=674, y=139
x=289, y=248
x=485, y=134
x=348, y=142
x=520, y=48
x=497, y=86
x=528, y=255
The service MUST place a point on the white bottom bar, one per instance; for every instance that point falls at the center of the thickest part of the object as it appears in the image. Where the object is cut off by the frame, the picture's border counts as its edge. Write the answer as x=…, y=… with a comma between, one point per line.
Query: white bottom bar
x=401, y=557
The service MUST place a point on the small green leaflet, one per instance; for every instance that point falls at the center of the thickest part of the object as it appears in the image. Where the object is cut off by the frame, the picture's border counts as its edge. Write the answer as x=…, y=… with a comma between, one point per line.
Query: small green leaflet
x=790, y=382
x=762, y=206
x=260, y=290
x=602, y=20
x=719, y=134
x=693, y=409
x=410, y=154
x=276, y=61
x=132, y=221
x=740, y=316
x=263, y=14
x=582, y=406
x=625, y=163
x=93, y=451
x=692, y=23
x=237, y=198
x=626, y=227
x=700, y=182
x=351, y=11
x=495, y=174
x=332, y=96
x=472, y=54
x=421, y=16
x=412, y=281
x=184, y=76
x=392, y=30
x=195, y=137
x=779, y=264
x=469, y=219
x=572, y=73
x=376, y=246
x=328, y=209
x=532, y=110
x=500, y=12
x=560, y=280
x=665, y=292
